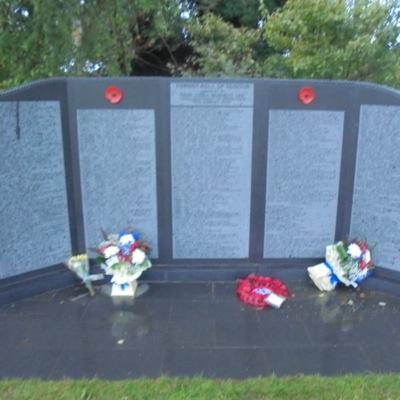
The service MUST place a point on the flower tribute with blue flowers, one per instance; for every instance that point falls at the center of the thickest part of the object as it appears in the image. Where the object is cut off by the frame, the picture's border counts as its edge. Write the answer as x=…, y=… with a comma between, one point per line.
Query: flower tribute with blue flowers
x=124, y=256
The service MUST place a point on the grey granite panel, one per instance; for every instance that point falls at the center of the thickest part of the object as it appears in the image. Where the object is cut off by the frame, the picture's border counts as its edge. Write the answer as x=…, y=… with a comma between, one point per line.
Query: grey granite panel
x=376, y=203
x=33, y=204
x=304, y=155
x=211, y=173
x=222, y=94
x=118, y=173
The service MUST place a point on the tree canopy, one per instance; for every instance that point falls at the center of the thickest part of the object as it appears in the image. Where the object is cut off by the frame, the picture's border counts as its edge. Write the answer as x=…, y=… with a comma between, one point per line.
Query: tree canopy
x=333, y=39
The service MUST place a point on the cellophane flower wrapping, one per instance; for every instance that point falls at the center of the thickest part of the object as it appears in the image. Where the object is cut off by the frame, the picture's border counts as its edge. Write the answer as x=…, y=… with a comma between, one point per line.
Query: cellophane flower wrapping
x=79, y=264
x=349, y=264
x=124, y=256
x=321, y=275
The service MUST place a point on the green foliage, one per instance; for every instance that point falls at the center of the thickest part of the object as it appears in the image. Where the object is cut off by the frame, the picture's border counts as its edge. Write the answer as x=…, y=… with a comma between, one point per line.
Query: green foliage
x=222, y=49
x=45, y=38
x=350, y=387
x=119, y=34
x=35, y=39
x=100, y=260
x=237, y=12
x=332, y=39
x=104, y=38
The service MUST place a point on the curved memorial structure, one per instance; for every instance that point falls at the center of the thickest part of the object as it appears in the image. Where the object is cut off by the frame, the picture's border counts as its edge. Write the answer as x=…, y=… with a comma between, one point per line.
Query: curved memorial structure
x=223, y=176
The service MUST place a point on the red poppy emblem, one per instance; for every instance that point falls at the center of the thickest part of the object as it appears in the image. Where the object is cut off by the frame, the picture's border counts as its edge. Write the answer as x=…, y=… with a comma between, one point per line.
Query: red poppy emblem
x=306, y=95
x=113, y=94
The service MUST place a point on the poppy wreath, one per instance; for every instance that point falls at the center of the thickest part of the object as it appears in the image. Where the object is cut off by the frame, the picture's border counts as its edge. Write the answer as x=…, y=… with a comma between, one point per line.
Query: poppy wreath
x=249, y=290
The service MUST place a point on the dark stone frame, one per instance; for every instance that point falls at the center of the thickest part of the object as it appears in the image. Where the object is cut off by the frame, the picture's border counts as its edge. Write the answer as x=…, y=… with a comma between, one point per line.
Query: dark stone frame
x=154, y=93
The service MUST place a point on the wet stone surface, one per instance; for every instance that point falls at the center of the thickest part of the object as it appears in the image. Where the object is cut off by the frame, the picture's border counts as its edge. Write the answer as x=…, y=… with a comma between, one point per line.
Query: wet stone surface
x=199, y=329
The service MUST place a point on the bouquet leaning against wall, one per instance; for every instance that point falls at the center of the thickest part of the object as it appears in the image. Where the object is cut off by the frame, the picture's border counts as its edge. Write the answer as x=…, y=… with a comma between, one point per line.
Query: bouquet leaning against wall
x=348, y=263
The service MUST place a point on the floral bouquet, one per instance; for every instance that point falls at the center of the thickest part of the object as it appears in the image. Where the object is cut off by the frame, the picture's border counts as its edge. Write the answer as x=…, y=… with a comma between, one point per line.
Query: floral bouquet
x=124, y=256
x=79, y=264
x=349, y=264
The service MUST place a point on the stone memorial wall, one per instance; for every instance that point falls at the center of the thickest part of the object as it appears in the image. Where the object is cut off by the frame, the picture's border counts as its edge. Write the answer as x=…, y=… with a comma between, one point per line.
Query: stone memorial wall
x=214, y=172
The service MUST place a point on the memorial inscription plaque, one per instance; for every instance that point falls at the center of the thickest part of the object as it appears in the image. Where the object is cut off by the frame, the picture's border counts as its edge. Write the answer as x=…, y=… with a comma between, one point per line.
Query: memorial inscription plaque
x=304, y=155
x=118, y=173
x=33, y=210
x=376, y=202
x=211, y=135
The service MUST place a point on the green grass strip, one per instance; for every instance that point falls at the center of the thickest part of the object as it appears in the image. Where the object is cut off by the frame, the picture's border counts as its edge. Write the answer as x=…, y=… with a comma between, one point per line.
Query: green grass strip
x=363, y=387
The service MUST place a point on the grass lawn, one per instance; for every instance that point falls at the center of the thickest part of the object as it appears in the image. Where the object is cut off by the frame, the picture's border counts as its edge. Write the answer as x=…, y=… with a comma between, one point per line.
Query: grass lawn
x=361, y=387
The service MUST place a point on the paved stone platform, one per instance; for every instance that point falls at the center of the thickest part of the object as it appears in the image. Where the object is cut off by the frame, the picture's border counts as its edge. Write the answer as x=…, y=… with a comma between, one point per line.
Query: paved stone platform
x=186, y=329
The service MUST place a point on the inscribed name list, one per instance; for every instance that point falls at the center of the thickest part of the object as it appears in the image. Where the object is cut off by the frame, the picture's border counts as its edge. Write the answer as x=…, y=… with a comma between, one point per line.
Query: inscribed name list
x=33, y=202
x=211, y=135
x=376, y=202
x=303, y=172
x=118, y=173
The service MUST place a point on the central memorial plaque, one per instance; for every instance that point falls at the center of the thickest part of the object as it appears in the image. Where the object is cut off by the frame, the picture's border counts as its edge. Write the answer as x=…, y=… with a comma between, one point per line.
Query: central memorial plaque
x=304, y=155
x=34, y=230
x=211, y=135
x=118, y=173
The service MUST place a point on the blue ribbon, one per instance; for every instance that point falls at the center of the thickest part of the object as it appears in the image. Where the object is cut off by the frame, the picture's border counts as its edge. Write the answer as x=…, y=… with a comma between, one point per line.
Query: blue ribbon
x=334, y=278
x=124, y=286
x=263, y=291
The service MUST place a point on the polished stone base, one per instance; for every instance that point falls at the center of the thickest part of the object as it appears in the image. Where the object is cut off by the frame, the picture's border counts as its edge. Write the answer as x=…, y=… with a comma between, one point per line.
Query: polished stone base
x=186, y=329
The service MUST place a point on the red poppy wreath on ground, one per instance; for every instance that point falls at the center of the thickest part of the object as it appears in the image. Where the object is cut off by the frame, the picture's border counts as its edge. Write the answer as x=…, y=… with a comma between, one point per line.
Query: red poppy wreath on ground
x=254, y=289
